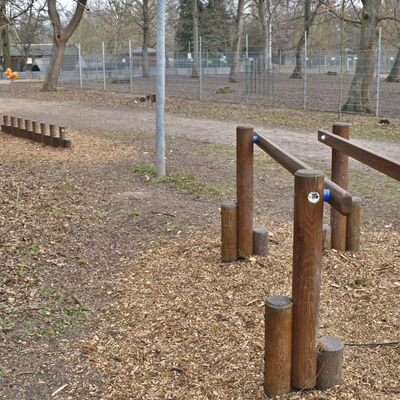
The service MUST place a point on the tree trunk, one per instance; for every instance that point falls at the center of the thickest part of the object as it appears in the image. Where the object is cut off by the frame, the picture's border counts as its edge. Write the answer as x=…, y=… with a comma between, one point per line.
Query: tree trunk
x=261, y=6
x=233, y=75
x=308, y=22
x=195, y=64
x=5, y=36
x=146, y=38
x=57, y=56
x=359, y=96
x=394, y=75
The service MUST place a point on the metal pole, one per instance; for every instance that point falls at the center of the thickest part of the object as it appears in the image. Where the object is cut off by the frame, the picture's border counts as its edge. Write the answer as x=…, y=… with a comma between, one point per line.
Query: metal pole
x=378, y=71
x=104, y=65
x=305, y=71
x=130, y=66
x=200, y=74
x=160, y=96
x=80, y=66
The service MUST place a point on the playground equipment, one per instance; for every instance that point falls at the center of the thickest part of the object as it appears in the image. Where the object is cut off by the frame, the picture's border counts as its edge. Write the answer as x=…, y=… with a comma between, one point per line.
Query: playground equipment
x=35, y=131
x=294, y=355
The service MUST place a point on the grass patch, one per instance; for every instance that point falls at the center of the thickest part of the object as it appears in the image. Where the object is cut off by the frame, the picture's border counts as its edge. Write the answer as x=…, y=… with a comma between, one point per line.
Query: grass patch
x=184, y=182
x=134, y=212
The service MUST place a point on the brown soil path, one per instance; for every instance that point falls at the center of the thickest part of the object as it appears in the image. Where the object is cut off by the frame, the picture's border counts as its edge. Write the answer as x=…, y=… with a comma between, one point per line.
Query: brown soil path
x=88, y=116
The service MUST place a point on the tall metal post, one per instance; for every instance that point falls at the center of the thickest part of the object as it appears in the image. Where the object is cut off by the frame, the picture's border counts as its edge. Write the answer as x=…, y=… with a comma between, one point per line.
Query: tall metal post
x=130, y=67
x=305, y=71
x=104, y=65
x=80, y=66
x=200, y=72
x=378, y=71
x=160, y=96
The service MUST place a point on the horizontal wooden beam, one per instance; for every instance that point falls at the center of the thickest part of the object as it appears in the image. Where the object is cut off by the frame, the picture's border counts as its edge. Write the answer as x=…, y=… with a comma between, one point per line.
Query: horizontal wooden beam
x=385, y=165
x=340, y=198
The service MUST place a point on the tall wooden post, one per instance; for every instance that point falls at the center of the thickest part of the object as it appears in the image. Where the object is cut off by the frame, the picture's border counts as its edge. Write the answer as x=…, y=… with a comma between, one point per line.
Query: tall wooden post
x=354, y=226
x=229, y=250
x=278, y=345
x=340, y=175
x=244, y=188
x=307, y=254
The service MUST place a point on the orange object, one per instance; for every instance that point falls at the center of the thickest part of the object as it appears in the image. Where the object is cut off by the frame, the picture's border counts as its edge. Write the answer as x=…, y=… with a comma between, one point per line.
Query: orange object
x=14, y=75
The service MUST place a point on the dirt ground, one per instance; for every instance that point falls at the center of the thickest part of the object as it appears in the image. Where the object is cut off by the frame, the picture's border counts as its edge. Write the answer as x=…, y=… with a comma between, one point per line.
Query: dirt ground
x=112, y=286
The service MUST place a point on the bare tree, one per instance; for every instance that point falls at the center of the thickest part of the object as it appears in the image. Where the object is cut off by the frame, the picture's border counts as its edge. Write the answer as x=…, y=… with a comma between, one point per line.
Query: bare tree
x=195, y=19
x=236, y=41
x=4, y=34
x=61, y=34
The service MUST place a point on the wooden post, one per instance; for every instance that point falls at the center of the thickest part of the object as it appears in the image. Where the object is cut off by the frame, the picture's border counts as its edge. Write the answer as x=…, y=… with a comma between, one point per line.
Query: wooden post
x=354, y=226
x=278, y=345
x=53, y=133
x=260, y=241
x=14, y=127
x=21, y=127
x=37, y=137
x=244, y=188
x=229, y=250
x=307, y=254
x=327, y=237
x=6, y=123
x=330, y=360
x=28, y=129
x=43, y=131
x=340, y=175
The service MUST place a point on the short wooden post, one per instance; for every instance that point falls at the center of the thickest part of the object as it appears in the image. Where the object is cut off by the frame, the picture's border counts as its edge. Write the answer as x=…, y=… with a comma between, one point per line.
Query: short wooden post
x=65, y=142
x=6, y=123
x=43, y=131
x=244, y=188
x=21, y=127
x=354, y=226
x=28, y=129
x=53, y=133
x=14, y=126
x=278, y=345
x=260, y=241
x=229, y=250
x=327, y=237
x=37, y=137
x=330, y=360
x=340, y=175
x=307, y=254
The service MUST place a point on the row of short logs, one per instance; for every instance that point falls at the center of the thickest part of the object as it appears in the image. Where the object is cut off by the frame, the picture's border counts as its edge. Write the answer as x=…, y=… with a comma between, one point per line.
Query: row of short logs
x=48, y=135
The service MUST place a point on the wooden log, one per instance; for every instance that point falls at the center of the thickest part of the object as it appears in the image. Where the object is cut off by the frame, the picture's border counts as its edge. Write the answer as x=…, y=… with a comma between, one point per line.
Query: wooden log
x=340, y=175
x=354, y=226
x=66, y=143
x=278, y=345
x=229, y=251
x=43, y=131
x=53, y=134
x=260, y=241
x=6, y=123
x=61, y=131
x=244, y=188
x=14, y=126
x=37, y=137
x=307, y=254
x=327, y=237
x=28, y=129
x=330, y=361
x=21, y=127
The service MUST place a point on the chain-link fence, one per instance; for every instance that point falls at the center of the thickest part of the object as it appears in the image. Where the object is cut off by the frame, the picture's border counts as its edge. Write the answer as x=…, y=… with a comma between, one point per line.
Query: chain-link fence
x=324, y=83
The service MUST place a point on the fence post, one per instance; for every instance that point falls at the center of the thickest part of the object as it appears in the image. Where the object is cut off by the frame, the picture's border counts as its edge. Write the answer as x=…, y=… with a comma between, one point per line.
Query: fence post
x=104, y=65
x=80, y=66
x=354, y=225
x=200, y=73
x=229, y=250
x=378, y=71
x=244, y=189
x=278, y=345
x=130, y=66
x=340, y=175
x=307, y=254
x=305, y=71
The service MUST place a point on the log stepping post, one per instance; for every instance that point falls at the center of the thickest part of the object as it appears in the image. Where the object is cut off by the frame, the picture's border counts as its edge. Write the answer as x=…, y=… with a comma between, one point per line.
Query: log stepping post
x=229, y=250
x=260, y=241
x=278, y=345
x=21, y=127
x=64, y=142
x=6, y=123
x=327, y=237
x=53, y=134
x=14, y=126
x=43, y=132
x=354, y=226
x=28, y=129
x=37, y=137
x=307, y=254
x=244, y=188
x=330, y=360
x=340, y=175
